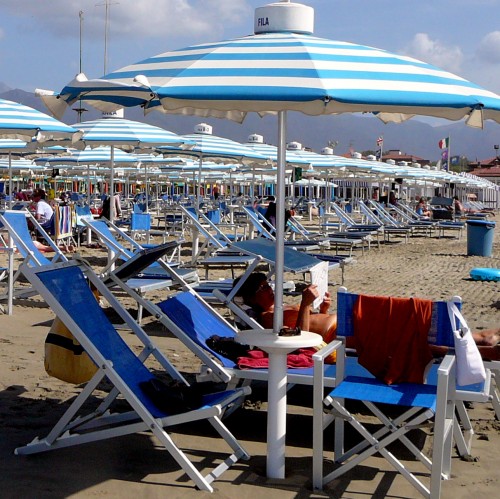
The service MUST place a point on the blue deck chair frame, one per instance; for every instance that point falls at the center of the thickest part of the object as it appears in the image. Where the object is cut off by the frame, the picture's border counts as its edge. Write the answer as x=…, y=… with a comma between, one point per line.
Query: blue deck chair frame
x=66, y=290
x=423, y=402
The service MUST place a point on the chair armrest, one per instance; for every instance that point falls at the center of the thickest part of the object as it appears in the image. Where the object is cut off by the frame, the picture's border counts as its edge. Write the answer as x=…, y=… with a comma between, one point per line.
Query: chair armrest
x=324, y=352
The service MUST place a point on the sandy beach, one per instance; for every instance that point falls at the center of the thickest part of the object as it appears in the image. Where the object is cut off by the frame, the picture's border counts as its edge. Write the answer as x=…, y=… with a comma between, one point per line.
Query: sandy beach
x=136, y=466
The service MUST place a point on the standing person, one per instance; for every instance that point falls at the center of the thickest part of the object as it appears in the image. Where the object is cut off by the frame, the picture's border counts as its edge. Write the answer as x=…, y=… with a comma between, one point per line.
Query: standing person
x=44, y=212
x=215, y=192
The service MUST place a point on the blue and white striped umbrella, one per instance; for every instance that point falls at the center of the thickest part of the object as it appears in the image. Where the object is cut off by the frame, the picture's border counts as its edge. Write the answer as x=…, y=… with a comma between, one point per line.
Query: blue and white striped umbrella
x=23, y=123
x=127, y=135
x=220, y=149
x=289, y=71
x=285, y=69
x=18, y=121
x=88, y=156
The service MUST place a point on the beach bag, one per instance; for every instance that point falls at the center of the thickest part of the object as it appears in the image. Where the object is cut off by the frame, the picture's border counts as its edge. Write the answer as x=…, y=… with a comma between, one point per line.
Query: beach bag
x=470, y=366
x=65, y=358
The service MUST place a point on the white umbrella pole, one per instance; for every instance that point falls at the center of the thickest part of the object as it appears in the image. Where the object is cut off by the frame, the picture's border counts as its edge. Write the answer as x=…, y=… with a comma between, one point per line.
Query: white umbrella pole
x=198, y=190
x=111, y=188
x=89, y=195
x=10, y=182
x=280, y=223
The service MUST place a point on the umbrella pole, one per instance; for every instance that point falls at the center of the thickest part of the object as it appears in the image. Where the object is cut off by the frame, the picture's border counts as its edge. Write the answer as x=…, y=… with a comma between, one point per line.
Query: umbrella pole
x=280, y=224
x=10, y=181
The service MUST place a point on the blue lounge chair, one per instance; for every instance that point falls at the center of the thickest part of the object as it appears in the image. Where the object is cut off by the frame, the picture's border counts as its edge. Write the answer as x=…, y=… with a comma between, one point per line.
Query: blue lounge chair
x=66, y=290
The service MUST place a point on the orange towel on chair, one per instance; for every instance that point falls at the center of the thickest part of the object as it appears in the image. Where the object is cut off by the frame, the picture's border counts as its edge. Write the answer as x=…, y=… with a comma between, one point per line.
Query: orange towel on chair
x=391, y=337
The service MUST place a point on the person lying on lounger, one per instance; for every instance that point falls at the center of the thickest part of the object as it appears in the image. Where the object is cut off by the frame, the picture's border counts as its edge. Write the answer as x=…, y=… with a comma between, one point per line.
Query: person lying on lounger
x=258, y=295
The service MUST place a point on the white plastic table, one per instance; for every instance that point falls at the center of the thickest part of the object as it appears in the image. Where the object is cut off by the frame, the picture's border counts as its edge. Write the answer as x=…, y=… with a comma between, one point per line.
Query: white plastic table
x=277, y=347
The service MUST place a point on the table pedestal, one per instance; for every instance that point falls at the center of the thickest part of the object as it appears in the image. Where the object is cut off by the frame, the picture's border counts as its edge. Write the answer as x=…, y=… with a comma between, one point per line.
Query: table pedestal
x=277, y=347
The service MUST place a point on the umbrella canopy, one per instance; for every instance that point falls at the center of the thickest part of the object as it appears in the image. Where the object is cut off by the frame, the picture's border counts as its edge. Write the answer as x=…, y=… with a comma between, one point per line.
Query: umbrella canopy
x=18, y=121
x=127, y=135
x=23, y=123
x=284, y=67
x=209, y=146
x=216, y=148
x=99, y=155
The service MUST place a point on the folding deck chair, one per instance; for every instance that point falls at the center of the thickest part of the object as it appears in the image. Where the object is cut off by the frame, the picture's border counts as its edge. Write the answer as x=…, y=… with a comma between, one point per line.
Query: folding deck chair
x=15, y=223
x=215, y=250
x=107, y=234
x=66, y=290
x=387, y=228
x=423, y=403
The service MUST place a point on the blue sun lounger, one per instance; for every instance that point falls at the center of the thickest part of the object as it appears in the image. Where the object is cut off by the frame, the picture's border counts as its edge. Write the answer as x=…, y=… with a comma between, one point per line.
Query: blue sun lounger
x=66, y=289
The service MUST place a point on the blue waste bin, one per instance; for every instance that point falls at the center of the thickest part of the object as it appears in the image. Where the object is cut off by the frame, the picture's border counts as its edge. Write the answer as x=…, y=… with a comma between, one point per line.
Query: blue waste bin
x=480, y=237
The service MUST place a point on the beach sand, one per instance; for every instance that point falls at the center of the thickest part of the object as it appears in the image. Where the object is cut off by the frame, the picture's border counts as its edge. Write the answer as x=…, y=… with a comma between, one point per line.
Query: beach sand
x=136, y=466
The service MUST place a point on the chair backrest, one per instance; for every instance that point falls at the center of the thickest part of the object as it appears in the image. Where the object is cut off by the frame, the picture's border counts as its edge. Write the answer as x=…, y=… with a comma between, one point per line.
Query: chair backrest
x=257, y=224
x=192, y=216
x=140, y=207
x=440, y=332
x=93, y=330
x=140, y=221
x=369, y=214
x=342, y=215
x=294, y=261
x=82, y=212
x=63, y=222
x=16, y=222
x=103, y=232
x=198, y=321
x=143, y=259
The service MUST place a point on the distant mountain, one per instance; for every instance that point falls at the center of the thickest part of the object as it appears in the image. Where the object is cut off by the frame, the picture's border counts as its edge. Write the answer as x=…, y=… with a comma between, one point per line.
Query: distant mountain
x=350, y=130
x=3, y=87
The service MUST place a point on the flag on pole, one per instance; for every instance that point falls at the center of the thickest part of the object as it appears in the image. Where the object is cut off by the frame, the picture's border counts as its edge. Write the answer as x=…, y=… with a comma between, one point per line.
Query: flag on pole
x=380, y=145
x=444, y=143
x=444, y=160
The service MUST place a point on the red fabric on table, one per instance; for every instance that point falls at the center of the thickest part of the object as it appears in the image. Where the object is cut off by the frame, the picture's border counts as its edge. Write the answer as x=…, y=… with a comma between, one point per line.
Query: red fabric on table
x=391, y=337
x=258, y=359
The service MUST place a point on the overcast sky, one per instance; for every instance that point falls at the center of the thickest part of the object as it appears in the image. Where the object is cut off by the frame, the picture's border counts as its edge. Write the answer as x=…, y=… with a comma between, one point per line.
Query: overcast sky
x=40, y=39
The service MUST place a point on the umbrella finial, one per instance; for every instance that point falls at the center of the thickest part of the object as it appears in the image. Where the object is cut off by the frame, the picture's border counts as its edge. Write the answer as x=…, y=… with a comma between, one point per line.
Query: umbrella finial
x=284, y=17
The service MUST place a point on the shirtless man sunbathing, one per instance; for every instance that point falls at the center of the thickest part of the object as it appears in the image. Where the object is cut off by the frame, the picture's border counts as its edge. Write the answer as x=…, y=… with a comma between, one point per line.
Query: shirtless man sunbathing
x=258, y=294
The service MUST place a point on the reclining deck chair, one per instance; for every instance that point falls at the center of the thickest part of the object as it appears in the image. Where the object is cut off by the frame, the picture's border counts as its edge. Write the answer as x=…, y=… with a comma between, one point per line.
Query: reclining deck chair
x=105, y=231
x=388, y=228
x=215, y=250
x=16, y=224
x=423, y=403
x=349, y=239
x=66, y=290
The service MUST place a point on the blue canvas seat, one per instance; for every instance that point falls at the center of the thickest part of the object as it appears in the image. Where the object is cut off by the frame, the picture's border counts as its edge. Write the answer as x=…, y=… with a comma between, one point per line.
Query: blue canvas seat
x=66, y=290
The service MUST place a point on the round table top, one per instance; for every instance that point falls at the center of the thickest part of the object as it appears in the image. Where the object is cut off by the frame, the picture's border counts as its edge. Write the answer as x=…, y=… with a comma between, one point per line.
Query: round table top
x=268, y=341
